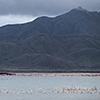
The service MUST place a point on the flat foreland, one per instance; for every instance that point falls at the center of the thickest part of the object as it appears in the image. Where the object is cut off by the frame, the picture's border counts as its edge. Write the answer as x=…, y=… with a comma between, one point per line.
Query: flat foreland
x=51, y=73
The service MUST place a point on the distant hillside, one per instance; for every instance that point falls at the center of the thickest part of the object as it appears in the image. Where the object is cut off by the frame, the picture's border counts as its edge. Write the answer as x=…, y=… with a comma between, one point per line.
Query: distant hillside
x=77, y=20
x=69, y=42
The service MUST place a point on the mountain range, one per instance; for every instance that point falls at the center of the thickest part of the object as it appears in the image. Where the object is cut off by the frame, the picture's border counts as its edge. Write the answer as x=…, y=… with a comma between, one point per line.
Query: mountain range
x=68, y=42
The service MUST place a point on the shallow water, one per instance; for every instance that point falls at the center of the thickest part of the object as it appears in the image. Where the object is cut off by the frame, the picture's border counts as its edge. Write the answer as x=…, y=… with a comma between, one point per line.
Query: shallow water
x=49, y=88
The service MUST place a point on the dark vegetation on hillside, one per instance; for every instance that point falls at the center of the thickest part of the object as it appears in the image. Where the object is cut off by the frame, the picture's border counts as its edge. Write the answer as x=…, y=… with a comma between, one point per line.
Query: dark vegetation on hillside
x=69, y=42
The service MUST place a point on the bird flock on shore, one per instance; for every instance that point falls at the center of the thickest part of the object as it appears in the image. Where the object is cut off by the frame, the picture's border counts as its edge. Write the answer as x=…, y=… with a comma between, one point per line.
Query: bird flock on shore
x=66, y=90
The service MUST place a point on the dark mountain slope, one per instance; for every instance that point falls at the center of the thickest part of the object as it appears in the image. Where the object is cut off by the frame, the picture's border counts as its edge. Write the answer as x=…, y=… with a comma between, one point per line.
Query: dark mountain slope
x=52, y=53
x=69, y=42
x=76, y=21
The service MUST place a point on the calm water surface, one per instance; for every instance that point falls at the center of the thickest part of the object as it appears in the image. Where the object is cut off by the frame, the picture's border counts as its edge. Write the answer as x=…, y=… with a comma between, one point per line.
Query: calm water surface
x=49, y=88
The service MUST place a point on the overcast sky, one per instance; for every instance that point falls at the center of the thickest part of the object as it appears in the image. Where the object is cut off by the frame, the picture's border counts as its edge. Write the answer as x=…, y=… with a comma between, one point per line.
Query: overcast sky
x=20, y=11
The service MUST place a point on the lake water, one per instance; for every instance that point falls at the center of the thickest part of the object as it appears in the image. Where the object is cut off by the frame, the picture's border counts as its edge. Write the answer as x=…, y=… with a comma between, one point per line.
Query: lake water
x=49, y=88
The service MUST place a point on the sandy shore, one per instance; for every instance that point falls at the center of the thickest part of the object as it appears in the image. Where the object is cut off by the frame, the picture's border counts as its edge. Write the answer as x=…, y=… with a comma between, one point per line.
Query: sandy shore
x=57, y=74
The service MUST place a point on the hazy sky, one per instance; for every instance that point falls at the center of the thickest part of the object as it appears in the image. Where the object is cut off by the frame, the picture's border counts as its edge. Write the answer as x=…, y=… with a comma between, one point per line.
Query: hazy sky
x=19, y=11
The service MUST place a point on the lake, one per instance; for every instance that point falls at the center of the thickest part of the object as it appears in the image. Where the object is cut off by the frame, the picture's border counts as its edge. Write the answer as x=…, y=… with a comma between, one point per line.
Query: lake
x=49, y=88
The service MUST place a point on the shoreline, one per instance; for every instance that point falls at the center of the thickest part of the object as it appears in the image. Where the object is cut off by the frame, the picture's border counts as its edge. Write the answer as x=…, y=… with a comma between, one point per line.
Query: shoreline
x=57, y=74
x=50, y=73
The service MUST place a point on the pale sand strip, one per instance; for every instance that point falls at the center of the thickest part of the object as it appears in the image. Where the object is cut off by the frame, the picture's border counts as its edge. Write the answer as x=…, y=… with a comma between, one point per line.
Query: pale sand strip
x=57, y=74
